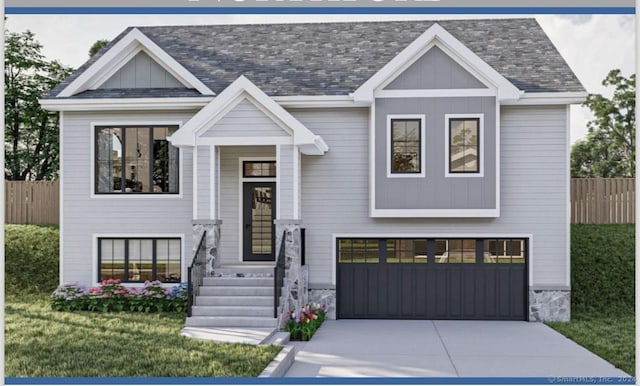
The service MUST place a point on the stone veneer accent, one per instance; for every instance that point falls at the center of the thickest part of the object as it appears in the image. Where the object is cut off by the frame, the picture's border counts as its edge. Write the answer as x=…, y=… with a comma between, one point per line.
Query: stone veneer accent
x=324, y=296
x=295, y=287
x=549, y=305
x=212, y=240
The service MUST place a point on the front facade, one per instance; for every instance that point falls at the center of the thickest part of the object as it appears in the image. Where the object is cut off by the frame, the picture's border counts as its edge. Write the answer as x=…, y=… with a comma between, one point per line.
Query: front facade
x=426, y=162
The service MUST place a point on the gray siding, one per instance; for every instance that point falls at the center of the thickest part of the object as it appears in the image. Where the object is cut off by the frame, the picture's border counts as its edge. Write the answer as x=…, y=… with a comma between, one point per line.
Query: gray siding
x=83, y=216
x=435, y=191
x=245, y=120
x=533, y=190
x=434, y=70
x=230, y=197
x=142, y=72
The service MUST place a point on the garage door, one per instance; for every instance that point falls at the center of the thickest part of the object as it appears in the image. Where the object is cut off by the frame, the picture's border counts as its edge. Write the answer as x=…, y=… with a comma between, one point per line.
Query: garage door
x=432, y=278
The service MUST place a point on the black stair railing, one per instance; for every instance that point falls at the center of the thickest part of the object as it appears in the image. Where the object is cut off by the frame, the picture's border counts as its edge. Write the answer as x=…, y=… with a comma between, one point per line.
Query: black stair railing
x=278, y=276
x=196, y=272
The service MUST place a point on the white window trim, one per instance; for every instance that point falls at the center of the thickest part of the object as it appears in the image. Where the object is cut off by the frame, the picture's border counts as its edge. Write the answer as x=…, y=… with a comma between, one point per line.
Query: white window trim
x=481, y=148
x=423, y=142
x=141, y=123
x=336, y=236
x=183, y=258
x=241, y=181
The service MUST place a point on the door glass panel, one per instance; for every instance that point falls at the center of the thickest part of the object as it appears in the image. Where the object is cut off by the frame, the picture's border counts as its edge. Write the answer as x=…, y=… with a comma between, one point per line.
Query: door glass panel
x=261, y=225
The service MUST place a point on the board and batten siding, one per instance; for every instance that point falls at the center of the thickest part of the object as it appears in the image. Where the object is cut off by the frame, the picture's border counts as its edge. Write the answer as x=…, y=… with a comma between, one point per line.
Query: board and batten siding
x=141, y=72
x=434, y=70
x=335, y=190
x=230, y=196
x=245, y=120
x=84, y=215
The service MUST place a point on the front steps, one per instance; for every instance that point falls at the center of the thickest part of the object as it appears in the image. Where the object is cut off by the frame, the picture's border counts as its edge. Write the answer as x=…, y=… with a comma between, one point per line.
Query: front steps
x=235, y=297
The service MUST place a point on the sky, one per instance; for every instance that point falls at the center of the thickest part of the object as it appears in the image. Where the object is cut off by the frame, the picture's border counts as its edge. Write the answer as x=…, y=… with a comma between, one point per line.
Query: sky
x=591, y=44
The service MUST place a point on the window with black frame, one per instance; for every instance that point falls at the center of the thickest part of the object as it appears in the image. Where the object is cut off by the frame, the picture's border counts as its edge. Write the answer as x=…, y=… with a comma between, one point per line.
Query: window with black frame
x=136, y=159
x=405, y=146
x=464, y=145
x=139, y=260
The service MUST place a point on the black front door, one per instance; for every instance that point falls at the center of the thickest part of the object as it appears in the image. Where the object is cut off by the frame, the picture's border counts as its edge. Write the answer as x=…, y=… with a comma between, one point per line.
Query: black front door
x=259, y=209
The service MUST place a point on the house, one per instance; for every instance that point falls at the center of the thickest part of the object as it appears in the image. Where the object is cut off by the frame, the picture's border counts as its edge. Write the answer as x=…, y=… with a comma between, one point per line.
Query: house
x=427, y=163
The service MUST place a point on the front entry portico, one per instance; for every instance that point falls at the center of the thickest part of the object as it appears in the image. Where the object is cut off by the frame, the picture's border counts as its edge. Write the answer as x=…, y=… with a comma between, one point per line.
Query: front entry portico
x=225, y=132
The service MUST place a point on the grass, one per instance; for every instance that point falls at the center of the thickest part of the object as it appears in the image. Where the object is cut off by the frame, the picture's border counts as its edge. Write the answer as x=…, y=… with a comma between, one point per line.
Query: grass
x=609, y=337
x=40, y=342
x=602, y=293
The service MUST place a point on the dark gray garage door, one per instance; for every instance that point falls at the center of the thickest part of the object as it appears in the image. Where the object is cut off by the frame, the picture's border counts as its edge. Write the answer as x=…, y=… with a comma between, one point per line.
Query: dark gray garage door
x=432, y=278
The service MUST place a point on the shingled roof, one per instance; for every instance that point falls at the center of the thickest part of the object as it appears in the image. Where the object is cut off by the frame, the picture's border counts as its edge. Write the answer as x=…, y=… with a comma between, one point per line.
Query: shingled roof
x=336, y=58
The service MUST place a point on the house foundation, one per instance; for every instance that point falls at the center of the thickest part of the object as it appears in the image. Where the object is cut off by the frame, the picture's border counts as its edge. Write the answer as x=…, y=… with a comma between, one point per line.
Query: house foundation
x=549, y=305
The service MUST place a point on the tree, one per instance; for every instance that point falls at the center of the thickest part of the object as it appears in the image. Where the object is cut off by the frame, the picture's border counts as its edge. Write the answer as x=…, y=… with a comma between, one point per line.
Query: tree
x=609, y=148
x=31, y=133
x=97, y=46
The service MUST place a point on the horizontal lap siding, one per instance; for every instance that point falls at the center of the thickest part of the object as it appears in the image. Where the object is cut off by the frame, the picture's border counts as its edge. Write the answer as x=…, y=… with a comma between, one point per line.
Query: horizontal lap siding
x=83, y=216
x=335, y=190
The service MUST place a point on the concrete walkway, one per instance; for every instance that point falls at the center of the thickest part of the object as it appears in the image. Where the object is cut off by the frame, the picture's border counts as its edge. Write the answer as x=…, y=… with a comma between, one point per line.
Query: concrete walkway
x=406, y=348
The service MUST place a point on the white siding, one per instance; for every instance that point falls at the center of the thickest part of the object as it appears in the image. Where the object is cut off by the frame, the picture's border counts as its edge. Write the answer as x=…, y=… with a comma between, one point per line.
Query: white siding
x=285, y=182
x=84, y=215
x=245, y=120
x=230, y=236
x=204, y=179
x=533, y=189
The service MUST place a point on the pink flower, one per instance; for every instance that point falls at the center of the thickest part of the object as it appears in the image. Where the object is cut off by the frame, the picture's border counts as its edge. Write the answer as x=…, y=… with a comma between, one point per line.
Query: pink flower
x=105, y=296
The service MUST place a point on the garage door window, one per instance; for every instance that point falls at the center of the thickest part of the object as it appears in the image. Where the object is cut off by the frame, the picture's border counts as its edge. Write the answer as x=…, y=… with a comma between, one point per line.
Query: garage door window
x=407, y=251
x=456, y=251
x=504, y=251
x=359, y=251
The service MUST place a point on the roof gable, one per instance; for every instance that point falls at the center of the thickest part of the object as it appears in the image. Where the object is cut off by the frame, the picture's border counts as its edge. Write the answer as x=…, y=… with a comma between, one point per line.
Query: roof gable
x=434, y=70
x=142, y=72
x=437, y=36
x=239, y=91
x=334, y=59
x=119, y=55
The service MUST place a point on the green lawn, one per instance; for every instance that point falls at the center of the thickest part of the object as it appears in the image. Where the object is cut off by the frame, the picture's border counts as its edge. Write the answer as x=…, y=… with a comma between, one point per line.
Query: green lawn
x=40, y=342
x=602, y=292
x=611, y=338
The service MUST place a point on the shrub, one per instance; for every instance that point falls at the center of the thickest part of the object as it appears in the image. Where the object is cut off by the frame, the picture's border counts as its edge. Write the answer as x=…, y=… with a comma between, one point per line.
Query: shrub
x=602, y=269
x=111, y=296
x=302, y=326
x=31, y=259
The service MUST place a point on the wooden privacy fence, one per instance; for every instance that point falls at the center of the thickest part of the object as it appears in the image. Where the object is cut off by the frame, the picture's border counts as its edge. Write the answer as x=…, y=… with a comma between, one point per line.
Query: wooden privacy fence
x=31, y=202
x=603, y=200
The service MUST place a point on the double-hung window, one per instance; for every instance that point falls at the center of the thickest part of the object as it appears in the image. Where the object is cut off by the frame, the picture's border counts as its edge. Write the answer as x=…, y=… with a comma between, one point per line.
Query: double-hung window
x=405, y=135
x=136, y=159
x=464, y=136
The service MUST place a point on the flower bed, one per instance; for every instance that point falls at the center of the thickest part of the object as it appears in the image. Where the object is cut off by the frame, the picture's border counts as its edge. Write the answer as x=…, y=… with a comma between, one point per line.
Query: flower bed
x=302, y=326
x=111, y=295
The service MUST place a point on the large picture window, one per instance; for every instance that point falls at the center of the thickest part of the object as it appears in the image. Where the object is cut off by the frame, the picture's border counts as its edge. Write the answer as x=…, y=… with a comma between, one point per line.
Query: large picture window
x=464, y=145
x=136, y=159
x=139, y=260
x=405, y=145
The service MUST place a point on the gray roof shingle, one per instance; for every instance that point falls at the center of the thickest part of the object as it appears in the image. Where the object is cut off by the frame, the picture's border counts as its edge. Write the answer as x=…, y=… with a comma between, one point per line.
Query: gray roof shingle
x=336, y=58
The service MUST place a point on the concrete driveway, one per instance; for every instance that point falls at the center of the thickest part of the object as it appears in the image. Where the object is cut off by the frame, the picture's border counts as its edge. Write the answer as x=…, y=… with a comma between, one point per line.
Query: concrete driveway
x=408, y=348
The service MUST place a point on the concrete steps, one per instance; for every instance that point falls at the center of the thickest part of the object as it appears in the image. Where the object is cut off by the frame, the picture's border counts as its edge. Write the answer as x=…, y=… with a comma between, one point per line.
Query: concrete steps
x=240, y=297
